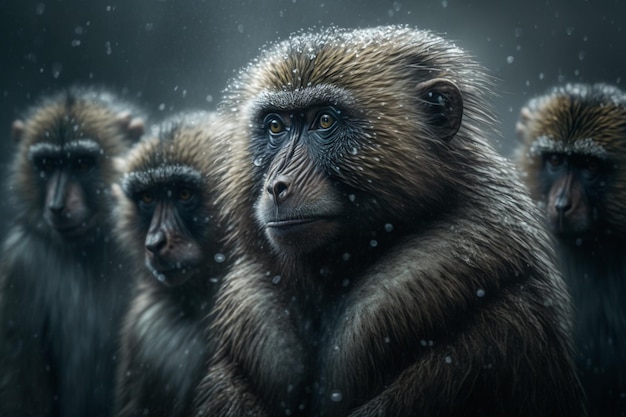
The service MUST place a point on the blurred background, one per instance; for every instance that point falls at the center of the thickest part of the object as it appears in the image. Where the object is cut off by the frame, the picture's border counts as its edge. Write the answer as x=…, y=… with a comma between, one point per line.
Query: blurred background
x=172, y=55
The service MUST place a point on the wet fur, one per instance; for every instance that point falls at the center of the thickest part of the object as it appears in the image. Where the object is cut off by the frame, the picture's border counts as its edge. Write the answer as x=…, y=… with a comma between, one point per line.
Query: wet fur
x=456, y=309
x=62, y=300
x=588, y=120
x=163, y=343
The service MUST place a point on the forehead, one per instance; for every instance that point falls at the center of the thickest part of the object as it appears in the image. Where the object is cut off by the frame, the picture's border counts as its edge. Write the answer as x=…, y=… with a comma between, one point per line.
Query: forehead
x=349, y=59
x=59, y=122
x=171, y=146
x=159, y=176
x=570, y=119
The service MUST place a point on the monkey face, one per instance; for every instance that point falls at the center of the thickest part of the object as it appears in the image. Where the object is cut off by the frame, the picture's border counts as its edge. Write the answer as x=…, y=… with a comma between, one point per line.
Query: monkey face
x=299, y=206
x=348, y=139
x=64, y=166
x=171, y=256
x=68, y=176
x=324, y=179
x=571, y=152
x=168, y=216
x=574, y=187
x=166, y=211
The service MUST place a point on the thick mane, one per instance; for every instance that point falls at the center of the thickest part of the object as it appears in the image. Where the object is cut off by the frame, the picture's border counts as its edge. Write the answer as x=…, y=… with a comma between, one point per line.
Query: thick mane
x=372, y=211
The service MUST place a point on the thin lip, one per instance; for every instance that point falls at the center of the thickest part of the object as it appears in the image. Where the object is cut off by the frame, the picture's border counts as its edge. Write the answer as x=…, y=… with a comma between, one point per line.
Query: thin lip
x=294, y=222
x=70, y=230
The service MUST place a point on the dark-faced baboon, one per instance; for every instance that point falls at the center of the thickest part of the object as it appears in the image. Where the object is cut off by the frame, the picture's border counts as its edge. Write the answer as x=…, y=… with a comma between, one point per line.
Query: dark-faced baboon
x=63, y=285
x=167, y=220
x=573, y=156
x=403, y=269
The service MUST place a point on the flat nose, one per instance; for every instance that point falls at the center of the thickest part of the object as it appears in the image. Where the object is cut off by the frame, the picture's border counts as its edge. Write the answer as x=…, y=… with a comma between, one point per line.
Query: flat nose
x=563, y=204
x=279, y=188
x=56, y=208
x=155, y=242
x=57, y=190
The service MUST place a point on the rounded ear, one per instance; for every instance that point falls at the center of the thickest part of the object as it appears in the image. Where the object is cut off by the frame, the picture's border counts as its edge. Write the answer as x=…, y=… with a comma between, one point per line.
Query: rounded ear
x=443, y=106
x=116, y=193
x=17, y=130
x=134, y=126
x=522, y=124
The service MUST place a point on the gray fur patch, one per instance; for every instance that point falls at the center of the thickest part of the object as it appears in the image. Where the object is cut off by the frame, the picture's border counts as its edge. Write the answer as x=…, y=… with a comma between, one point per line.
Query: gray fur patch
x=83, y=146
x=80, y=146
x=136, y=181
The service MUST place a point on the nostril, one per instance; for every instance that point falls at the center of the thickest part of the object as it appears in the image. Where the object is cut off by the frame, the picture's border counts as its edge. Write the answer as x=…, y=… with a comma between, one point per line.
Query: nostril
x=279, y=188
x=152, y=247
x=55, y=208
x=155, y=242
x=562, y=204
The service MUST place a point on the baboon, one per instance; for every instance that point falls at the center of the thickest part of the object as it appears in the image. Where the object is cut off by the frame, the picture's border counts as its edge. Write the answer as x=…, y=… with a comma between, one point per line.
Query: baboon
x=572, y=154
x=166, y=219
x=403, y=269
x=63, y=285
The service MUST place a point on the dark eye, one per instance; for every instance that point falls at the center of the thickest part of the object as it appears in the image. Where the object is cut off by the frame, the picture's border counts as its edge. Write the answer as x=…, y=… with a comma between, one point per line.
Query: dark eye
x=274, y=124
x=276, y=128
x=325, y=121
x=84, y=163
x=146, y=198
x=592, y=168
x=45, y=165
x=592, y=165
x=556, y=160
x=184, y=194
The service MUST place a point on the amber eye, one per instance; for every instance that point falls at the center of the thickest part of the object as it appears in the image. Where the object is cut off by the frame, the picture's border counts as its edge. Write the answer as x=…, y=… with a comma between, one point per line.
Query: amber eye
x=275, y=126
x=147, y=197
x=326, y=121
x=184, y=194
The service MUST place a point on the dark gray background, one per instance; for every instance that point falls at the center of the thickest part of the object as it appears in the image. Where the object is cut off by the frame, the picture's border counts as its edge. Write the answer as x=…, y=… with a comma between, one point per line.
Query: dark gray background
x=172, y=55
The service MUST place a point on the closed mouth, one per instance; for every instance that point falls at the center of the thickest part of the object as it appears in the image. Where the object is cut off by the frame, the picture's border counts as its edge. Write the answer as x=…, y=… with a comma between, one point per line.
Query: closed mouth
x=292, y=222
x=69, y=226
x=301, y=233
x=70, y=229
